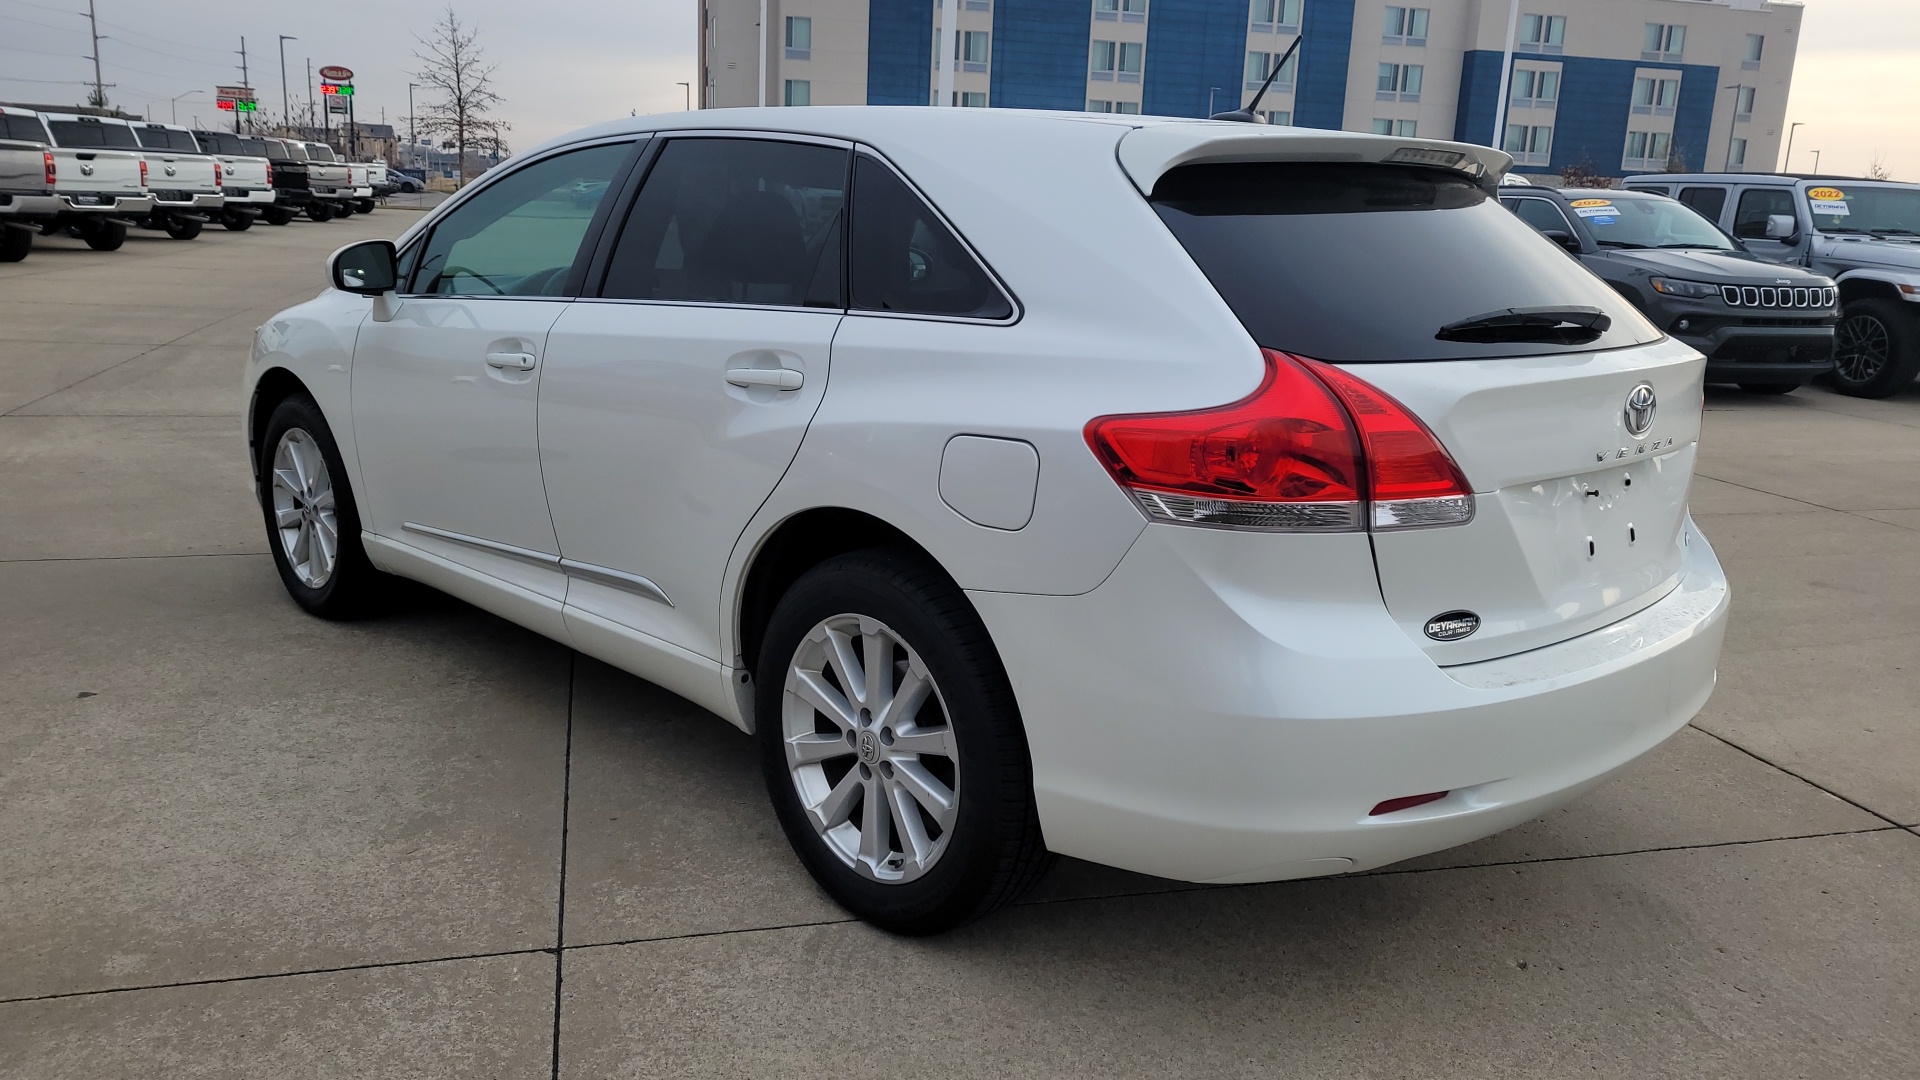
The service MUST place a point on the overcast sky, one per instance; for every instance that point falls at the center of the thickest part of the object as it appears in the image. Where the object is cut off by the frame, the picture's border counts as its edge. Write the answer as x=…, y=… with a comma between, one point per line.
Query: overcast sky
x=567, y=63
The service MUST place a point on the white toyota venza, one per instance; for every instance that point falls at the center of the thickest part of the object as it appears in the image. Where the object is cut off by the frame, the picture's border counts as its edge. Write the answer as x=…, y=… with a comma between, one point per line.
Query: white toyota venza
x=1220, y=502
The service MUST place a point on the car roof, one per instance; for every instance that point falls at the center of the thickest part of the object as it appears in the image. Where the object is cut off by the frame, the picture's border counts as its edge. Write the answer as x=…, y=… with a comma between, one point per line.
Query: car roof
x=1578, y=193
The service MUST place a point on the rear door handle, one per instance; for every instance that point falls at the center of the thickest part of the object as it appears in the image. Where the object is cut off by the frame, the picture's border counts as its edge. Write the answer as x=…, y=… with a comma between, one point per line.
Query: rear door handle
x=511, y=361
x=778, y=378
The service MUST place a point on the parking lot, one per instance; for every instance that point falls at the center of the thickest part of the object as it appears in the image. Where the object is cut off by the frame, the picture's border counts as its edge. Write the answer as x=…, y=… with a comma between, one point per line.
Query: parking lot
x=239, y=841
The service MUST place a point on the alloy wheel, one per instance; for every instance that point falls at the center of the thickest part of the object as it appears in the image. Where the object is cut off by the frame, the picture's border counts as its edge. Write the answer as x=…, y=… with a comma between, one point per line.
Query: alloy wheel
x=869, y=748
x=304, y=513
x=1861, y=346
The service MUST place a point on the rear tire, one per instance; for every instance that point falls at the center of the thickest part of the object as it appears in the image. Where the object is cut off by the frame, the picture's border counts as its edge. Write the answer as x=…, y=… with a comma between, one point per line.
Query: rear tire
x=364, y=206
x=319, y=211
x=183, y=228
x=858, y=789
x=313, y=523
x=344, y=210
x=15, y=242
x=105, y=235
x=1769, y=388
x=276, y=215
x=1876, y=349
x=235, y=221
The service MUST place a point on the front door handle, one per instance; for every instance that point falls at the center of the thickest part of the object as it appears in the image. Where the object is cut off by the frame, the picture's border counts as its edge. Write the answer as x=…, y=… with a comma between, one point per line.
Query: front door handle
x=510, y=361
x=778, y=378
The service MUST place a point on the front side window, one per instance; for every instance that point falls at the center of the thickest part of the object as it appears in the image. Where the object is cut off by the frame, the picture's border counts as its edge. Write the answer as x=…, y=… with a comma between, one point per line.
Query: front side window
x=738, y=221
x=1755, y=206
x=905, y=260
x=519, y=235
x=1387, y=242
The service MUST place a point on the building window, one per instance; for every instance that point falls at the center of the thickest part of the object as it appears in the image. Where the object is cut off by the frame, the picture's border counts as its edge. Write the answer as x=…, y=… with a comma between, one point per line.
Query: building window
x=1737, y=154
x=1664, y=42
x=970, y=99
x=1132, y=58
x=1655, y=97
x=1647, y=150
x=1542, y=33
x=1405, y=26
x=1278, y=117
x=1743, y=103
x=799, y=92
x=1276, y=16
x=1133, y=10
x=1106, y=57
x=1756, y=44
x=1131, y=108
x=1405, y=129
x=1106, y=10
x=1096, y=105
x=1400, y=82
x=975, y=47
x=1535, y=89
x=1530, y=144
x=1259, y=67
x=799, y=37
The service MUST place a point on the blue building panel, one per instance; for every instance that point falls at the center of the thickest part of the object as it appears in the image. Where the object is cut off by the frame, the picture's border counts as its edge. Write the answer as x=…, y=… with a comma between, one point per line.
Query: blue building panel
x=1320, y=95
x=1040, y=54
x=899, y=52
x=1590, y=123
x=1196, y=55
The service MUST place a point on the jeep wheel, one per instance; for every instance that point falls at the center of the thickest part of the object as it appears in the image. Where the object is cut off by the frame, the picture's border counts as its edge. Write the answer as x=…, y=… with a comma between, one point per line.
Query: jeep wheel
x=1875, y=348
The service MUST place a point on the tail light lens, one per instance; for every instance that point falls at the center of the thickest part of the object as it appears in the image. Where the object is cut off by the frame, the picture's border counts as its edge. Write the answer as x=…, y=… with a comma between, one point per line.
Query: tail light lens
x=1308, y=450
x=269, y=174
x=143, y=172
x=219, y=183
x=51, y=179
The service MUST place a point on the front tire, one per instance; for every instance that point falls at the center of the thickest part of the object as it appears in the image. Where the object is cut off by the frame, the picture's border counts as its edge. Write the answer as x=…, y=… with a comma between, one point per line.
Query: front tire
x=892, y=745
x=313, y=523
x=1876, y=350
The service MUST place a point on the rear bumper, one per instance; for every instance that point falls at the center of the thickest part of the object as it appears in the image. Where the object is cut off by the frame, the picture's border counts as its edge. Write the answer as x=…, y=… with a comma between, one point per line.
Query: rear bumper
x=1185, y=726
x=255, y=197
x=199, y=203
x=43, y=206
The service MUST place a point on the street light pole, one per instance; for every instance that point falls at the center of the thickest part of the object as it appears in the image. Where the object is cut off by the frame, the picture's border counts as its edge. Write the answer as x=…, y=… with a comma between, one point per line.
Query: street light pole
x=1787, y=163
x=413, y=129
x=1732, y=119
x=688, y=87
x=286, y=110
x=176, y=103
x=1816, y=162
x=1499, y=140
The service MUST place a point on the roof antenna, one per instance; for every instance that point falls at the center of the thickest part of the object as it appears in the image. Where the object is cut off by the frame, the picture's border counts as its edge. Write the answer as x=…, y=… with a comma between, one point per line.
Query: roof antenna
x=1247, y=115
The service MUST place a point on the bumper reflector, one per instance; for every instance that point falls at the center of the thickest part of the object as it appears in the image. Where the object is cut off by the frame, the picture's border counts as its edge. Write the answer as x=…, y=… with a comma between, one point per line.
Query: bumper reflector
x=1406, y=802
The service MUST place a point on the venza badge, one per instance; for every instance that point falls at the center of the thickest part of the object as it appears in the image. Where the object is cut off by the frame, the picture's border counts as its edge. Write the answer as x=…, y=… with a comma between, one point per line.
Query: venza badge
x=1640, y=409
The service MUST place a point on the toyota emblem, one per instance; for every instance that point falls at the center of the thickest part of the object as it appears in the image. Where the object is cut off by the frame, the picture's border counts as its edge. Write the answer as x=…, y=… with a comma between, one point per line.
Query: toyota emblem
x=1640, y=409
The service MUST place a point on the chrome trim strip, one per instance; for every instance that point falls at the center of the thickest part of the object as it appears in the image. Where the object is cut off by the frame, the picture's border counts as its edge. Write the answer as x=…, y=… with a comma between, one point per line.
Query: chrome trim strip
x=538, y=558
x=618, y=579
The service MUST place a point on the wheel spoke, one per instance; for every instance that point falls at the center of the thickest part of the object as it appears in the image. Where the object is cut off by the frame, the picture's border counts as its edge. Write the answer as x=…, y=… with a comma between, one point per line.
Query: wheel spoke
x=297, y=458
x=920, y=740
x=326, y=544
x=812, y=749
x=838, y=805
x=286, y=480
x=815, y=691
x=878, y=646
x=846, y=666
x=926, y=789
x=905, y=704
x=874, y=841
x=286, y=518
x=907, y=826
x=301, y=544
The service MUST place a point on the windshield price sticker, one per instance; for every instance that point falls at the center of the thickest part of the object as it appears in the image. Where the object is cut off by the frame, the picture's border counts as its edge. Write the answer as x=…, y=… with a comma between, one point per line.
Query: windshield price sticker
x=1829, y=201
x=1595, y=209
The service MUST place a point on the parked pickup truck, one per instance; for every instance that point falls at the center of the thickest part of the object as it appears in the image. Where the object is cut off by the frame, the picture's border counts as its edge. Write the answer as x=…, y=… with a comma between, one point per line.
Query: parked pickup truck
x=100, y=178
x=382, y=179
x=1865, y=234
x=291, y=193
x=246, y=176
x=26, y=180
x=362, y=187
x=331, y=180
x=185, y=180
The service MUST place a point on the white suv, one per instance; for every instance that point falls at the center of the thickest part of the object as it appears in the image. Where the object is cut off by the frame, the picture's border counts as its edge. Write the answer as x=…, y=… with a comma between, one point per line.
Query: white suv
x=1214, y=501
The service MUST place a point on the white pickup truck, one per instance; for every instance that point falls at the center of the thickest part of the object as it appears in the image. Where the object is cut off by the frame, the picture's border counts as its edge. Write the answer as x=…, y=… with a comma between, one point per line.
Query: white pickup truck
x=186, y=182
x=362, y=184
x=331, y=180
x=100, y=178
x=246, y=176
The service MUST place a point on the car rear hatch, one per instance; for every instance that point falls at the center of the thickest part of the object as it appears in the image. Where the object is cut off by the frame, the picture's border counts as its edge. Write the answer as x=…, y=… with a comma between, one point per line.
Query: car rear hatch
x=1573, y=422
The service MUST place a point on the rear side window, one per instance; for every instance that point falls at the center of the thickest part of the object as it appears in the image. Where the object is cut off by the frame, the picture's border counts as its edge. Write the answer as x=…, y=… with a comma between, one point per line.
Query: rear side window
x=22, y=128
x=1756, y=205
x=735, y=221
x=90, y=134
x=1350, y=262
x=1708, y=201
x=905, y=259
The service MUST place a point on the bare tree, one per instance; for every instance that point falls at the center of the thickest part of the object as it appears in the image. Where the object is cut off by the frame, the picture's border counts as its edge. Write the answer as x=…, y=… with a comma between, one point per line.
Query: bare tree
x=451, y=62
x=1877, y=168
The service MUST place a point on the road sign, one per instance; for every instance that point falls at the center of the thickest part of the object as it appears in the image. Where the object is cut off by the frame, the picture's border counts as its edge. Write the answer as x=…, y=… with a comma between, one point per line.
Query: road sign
x=336, y=104
x=233, y=93
x=336, y=73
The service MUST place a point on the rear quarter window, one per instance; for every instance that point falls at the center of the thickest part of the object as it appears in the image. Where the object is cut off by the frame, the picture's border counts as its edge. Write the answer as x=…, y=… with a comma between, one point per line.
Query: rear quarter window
x=1357, y=263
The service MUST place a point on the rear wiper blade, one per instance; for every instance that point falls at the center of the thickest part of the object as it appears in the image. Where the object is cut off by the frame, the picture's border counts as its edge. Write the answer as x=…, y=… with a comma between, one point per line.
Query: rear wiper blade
x=1557, y=325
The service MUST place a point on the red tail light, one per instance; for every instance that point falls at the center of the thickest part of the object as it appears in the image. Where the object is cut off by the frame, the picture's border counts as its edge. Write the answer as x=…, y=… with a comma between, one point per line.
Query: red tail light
x=51, y=180
x=219, y=183
x=269, y=174
x=143, y=172
x=1305, y=451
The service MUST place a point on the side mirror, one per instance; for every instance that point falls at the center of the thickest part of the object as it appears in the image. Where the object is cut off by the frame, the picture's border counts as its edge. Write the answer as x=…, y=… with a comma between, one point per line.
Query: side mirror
x=1564, y=239
x=1781, y=227
x=370, y=268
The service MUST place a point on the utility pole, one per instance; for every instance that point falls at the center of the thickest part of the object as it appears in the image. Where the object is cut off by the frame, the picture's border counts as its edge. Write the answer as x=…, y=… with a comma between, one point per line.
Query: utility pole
x=99, y=88
x=244, y=81
x=413, y=130
x=286, y=111
x=309, y=91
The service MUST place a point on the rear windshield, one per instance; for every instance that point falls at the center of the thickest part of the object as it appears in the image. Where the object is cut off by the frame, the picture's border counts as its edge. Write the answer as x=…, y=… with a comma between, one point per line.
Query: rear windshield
x=320, y=153
x=159, y=138
x=285, y=151
x=25, y=128
x=221, y=142
x=88, y=134
x=1368, y=262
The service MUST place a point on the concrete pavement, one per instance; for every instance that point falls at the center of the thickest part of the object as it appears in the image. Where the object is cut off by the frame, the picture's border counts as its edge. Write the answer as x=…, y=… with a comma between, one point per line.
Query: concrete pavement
x=237, y=841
